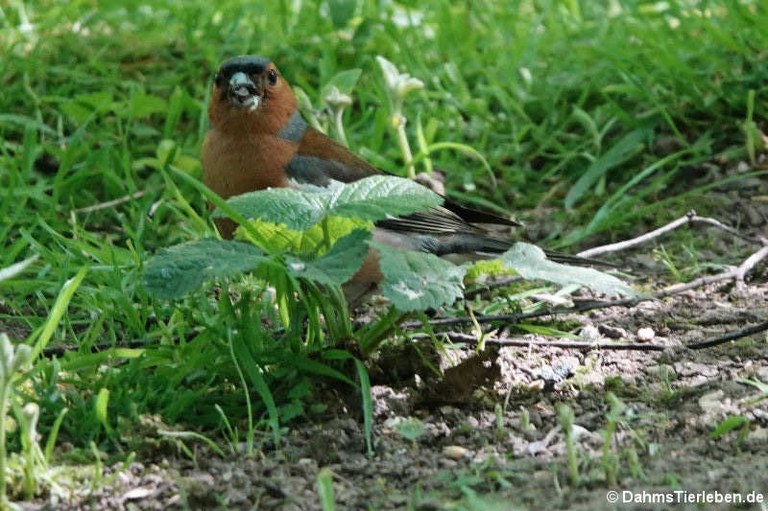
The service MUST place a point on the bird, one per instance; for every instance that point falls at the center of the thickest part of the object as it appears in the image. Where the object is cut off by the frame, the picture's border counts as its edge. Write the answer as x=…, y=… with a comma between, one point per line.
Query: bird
x=257, y=139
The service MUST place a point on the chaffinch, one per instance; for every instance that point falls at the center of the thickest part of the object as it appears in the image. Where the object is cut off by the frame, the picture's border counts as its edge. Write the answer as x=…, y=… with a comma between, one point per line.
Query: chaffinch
x=258, y=139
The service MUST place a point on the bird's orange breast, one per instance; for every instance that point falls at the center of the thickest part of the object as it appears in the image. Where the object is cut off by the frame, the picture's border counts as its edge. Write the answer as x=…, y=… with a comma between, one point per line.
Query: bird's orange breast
x=232, y=166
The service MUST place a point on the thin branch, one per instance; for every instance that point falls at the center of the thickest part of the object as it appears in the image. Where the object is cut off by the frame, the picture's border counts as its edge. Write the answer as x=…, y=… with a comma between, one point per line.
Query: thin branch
x=586, y=305
x=112, y=203
x=738, y=273
x=690, y=218
x=730, y=336
x=471, y=340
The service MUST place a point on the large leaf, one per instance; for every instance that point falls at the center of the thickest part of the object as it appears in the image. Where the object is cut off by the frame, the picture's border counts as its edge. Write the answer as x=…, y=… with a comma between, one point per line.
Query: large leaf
x=177, y=271
x=378, y=197
x=337, y=266
x=311, y=241
x=416, y=281
x=373, y=198
x=296, y=209
x=531, y=263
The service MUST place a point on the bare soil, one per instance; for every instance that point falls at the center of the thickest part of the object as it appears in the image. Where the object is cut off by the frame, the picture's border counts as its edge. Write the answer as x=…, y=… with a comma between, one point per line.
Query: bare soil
x=488, y=436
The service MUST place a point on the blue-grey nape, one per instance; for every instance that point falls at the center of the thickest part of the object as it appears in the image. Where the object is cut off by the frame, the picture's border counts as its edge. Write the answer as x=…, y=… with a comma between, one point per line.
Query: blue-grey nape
x=294, y=130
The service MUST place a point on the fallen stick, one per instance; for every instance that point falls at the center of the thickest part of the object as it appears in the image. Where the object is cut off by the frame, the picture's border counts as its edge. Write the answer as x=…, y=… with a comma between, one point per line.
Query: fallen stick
x=689, y=218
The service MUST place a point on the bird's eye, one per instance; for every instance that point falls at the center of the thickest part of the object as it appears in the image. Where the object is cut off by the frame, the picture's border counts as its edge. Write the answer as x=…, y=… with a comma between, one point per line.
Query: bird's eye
x=272, y=76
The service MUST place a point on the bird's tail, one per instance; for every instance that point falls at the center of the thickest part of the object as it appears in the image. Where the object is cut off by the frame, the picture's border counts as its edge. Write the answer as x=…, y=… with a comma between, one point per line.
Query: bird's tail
x=476, y=246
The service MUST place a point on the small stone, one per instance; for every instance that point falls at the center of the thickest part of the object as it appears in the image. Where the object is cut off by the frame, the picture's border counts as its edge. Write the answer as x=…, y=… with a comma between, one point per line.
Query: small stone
x=455, y=452
x=645, y=334
x=589, y=333
x=138, y=493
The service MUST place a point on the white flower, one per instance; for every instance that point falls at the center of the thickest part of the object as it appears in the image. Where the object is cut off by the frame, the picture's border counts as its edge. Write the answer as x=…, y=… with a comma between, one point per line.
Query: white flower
x=399, y=84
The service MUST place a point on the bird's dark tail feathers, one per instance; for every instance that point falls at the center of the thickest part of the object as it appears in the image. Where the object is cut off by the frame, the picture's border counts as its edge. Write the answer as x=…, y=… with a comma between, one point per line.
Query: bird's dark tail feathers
x=484, y=247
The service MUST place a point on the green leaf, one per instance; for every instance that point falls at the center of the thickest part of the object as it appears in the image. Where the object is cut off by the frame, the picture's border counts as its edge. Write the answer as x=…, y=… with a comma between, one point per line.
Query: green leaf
x=338, y=265
x=177, y=271
x=377, y=197
x=310, y=241
x=619, y=153
x=344, y=81
x=531, y=263
x=417, y=281
x=296, y=209
x=342, y=11
x=373, y=198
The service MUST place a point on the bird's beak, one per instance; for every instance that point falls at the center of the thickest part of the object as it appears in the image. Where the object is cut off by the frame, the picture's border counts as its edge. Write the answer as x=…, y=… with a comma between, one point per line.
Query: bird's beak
x=243, y=92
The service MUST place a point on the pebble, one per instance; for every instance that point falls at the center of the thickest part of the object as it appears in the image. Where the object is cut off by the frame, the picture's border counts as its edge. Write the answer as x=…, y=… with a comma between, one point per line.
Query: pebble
x=645, y=334
x=455, y=452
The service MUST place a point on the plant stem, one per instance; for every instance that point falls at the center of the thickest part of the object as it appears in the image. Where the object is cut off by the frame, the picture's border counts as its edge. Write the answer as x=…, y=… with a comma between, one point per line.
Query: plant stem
x=398, y=120
x=3, y=412
x=337, y=120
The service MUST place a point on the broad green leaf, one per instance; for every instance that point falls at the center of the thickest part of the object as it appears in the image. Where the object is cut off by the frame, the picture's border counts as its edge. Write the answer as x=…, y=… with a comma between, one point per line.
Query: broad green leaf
x=620, y=152
x=296, y=209
x=344, y=81
x=416, y=281
x=311, y=241
x=177, y=271
x=373, y=198
x=377, y=197
x=531, y=263
x=338, y=265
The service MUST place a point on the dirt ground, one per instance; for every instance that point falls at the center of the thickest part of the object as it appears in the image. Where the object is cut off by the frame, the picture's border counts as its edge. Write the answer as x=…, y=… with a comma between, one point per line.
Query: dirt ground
x=488, y=436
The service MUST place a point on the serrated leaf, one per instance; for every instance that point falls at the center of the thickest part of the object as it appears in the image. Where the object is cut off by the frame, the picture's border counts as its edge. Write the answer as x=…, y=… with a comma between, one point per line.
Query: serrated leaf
x=531, y=263
x=378, y=197
x=338, y=265
x=416, y=281
x=373, y=198
x=177, y=271
x=310, y=241
x=296, y=209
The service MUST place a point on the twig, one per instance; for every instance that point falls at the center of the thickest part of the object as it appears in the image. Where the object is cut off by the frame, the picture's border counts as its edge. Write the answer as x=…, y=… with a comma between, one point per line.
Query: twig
x=584, y=306
x=472, y=341
x=730, y=336
x=614, y=346
x=575, y=345
x=112, y=203
x=738, y=273
x=690, y=218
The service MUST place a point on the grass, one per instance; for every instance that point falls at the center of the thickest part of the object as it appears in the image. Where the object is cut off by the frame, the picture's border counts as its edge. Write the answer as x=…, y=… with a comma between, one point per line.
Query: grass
x=601, y=108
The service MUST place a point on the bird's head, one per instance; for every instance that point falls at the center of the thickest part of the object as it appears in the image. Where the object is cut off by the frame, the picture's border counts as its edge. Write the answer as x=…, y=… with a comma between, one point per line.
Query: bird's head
x=250, y=87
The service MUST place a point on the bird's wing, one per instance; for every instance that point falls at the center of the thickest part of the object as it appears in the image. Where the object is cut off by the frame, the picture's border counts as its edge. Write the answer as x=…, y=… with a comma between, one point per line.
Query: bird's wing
x=320, y=159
